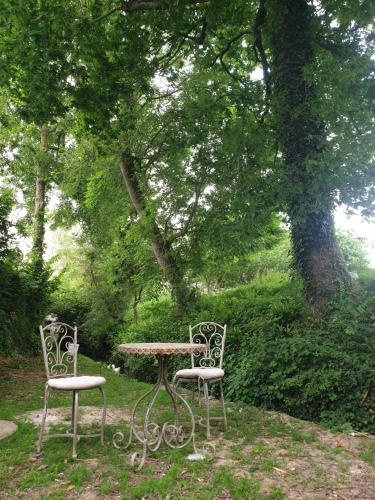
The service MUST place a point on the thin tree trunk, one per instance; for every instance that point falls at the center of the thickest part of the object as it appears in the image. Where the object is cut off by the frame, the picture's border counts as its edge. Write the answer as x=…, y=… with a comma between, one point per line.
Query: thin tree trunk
x=161, y=247
x=40, y=198
x=301, y=135
x=136, y=301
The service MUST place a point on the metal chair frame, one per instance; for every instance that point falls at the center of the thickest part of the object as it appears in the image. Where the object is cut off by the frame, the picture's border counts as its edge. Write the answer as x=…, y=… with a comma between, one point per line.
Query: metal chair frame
x=213, y=335
x=60, y=349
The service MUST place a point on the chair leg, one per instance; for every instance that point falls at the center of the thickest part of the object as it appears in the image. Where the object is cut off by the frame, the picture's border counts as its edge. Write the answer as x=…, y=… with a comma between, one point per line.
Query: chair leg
x=75, y=421
x=71, y=422
x=43, y=423
x=205, y=391
x=223, y=405
x=104, y=412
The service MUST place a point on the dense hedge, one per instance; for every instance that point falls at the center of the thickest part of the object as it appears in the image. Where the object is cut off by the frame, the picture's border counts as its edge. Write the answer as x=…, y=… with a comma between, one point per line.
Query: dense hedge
x=277, y=356
x=23, y=305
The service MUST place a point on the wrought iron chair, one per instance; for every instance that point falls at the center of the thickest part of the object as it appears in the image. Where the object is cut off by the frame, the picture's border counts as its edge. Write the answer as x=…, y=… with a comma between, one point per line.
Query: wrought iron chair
x=207, y=367
x=60, y=348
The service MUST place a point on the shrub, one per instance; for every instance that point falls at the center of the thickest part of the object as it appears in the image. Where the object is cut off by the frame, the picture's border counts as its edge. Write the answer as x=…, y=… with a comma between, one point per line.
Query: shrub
x=95, y=329
x=23, y=304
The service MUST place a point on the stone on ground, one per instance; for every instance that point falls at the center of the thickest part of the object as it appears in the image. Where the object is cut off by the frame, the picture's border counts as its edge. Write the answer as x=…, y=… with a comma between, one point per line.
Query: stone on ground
x=7, y=428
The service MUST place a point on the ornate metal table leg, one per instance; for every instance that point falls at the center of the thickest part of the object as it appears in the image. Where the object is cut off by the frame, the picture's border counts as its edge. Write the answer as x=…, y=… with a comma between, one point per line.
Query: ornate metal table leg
x=119, y=437
x=173, y=434
x=153, y=434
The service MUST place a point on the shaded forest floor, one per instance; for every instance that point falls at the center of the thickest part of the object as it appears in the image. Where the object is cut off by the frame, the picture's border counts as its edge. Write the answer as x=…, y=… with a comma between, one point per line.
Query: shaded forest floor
x=262, y=455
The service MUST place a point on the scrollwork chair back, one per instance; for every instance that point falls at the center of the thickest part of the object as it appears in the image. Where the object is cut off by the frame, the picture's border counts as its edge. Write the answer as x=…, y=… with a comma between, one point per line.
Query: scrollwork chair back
x=59, y=344
x=213, y=335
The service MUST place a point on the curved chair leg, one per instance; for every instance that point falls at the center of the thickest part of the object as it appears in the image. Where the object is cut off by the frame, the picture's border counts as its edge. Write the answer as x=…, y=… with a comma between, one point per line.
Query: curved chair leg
x=43, y=423
x=75, y=421
x=175, y=383
x=223, y=405
x=104, y=412
x=205, y=391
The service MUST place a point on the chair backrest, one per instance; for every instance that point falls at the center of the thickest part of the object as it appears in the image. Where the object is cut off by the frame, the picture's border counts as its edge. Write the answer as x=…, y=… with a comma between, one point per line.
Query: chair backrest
x=213, y=335
x=59, y=344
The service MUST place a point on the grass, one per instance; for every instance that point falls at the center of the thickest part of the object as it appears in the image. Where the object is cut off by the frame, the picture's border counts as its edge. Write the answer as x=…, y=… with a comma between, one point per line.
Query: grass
x=262, y=455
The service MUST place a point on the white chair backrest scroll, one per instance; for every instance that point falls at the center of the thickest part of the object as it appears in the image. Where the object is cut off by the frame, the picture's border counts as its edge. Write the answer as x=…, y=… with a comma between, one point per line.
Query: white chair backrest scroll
x=59, y=344
x=213, y=335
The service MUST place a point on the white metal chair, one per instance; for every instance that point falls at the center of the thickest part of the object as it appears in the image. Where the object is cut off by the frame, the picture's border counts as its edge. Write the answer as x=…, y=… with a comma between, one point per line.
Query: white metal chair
x=60, y=348
x=207, y=367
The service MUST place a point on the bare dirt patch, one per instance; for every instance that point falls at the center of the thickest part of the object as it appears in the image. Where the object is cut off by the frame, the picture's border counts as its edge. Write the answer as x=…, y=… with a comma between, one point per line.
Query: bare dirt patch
x=20, y=368
x=88, y=415
x=329, y=466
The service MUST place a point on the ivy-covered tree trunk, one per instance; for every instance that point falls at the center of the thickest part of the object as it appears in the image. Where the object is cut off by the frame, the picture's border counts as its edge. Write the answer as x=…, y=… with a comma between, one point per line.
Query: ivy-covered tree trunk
x=40, y=199
x=301, y=135
x=161, y=247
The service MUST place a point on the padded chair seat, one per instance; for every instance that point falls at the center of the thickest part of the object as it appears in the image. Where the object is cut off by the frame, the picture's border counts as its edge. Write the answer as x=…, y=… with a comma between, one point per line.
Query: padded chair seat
x=76, y=383
x=204, y=373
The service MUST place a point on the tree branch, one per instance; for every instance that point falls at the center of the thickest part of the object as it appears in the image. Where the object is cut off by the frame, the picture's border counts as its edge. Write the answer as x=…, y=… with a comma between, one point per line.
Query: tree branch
x=260, y=53
x=228, y=71
x=230, y=42
x=185, y=229
x=228, y=46
x=173, y=51
x=331, y=47
x=139, y=6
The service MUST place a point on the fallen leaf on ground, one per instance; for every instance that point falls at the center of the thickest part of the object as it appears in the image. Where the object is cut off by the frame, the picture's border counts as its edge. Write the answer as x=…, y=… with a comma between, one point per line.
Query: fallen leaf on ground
x=280, y=470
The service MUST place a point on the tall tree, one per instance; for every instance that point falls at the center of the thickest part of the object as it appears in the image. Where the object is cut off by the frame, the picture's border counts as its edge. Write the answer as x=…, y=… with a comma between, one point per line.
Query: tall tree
x=313, y=113
x=302, y=138
x=117, y=97
x=42, y=174
x=34, y=70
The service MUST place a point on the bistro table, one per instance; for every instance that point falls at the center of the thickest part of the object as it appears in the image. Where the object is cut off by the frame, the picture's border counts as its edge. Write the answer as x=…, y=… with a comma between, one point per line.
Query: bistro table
x=173, y=434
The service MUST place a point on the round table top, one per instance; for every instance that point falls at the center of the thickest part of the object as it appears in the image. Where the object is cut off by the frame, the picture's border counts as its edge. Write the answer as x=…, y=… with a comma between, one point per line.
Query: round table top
x=166, y=348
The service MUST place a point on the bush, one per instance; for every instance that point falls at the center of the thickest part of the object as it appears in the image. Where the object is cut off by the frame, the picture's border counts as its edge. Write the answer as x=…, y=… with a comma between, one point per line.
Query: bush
x=95, y=329
x=23, y=305
x=277, y=356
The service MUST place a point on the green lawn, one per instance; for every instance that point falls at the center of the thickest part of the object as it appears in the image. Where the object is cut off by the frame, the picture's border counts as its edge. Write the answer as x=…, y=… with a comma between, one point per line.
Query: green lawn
x=263, y=455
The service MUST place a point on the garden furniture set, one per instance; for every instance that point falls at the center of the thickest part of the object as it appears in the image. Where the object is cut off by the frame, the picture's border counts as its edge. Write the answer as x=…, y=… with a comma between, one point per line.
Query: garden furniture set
x=206, y=348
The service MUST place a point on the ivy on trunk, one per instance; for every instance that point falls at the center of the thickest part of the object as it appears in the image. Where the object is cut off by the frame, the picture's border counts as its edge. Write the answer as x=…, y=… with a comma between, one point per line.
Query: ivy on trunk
x=302, y=137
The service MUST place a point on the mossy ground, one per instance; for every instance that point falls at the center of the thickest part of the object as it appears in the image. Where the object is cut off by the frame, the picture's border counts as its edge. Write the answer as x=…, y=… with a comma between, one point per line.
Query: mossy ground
x=262, y=455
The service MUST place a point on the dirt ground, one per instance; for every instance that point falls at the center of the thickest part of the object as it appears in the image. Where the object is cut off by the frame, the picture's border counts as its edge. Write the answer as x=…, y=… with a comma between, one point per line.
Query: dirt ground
x=329, y=467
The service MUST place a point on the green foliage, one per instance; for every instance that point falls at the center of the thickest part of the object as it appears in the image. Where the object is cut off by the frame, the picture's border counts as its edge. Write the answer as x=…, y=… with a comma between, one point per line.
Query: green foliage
x=352, y=251
x=91, y=311
x=277, y=356
x=24, y=290
x=34, y=65
x=23, y=306
x=6, y=204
